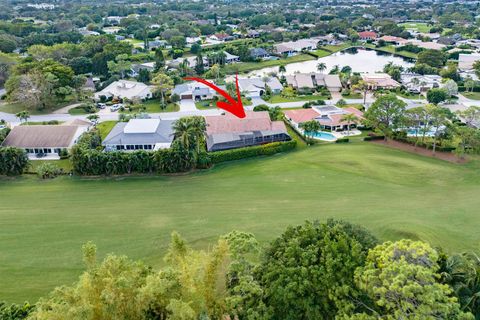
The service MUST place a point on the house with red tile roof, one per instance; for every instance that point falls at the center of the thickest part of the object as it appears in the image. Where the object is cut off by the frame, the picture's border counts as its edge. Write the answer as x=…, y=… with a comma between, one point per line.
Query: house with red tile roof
x=367, y=35
x=227, y=131
x=329, y=117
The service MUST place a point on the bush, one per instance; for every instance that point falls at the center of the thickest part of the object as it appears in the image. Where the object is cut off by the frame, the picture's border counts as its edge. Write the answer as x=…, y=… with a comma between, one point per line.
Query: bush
x=346, y=92
x=13, y=161
x=342, y=140
x=48, y=170
x=248, y=152
x=313, y=103
x=63, y=154
x=371, y=138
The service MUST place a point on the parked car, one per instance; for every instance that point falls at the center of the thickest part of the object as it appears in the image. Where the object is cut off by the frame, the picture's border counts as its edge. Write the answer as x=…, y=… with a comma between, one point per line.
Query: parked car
x=116, y=107
x=101, y=105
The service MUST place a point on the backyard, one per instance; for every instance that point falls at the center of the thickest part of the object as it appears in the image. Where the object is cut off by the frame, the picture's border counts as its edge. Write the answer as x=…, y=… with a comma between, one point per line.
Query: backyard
x=243, y=67
x=394, y=194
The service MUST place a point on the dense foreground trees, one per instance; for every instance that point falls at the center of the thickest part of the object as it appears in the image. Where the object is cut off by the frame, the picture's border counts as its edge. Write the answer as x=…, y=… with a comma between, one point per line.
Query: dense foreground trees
x=332, y=270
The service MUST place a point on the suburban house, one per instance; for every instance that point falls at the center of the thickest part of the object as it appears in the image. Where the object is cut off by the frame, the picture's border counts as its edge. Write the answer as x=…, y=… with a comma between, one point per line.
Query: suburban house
x=379, y=81
x=140, y=134
x=293, y=47
x=222, y=37
x=154, y=44
x=191, y=61
x=195, y=91
x=149, y=66
x=45, y=141
x=125, y=89
x=329, y=117
x=253, y=34
x=255, y=87
x=228, y=131
x=393, y=40
x=417, y=83
x=231, y=58
x=310, y=81
x=259, y=53
x=466, y=61
x=450, y=40
x=367, y=35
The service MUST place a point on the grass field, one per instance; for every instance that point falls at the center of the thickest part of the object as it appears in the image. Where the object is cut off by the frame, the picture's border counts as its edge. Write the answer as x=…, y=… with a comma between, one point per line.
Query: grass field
x=44, y=223
x=471, y=95
x=244, y=67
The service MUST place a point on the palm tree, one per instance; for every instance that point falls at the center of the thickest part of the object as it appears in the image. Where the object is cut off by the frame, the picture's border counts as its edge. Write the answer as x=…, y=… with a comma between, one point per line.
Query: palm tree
x=190, y=131
x=23, y=115
x=363, y=87
x=282, y=69
x=321, y=66
x=349, y=118
x=310, y=127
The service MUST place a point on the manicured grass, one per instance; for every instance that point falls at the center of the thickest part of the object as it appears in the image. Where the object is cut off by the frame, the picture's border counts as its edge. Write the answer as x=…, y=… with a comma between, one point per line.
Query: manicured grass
x=15, y=108
x=471, y=95
x=394, y=194
x=353, y=95
x=243, y=67
x=411, y=96
x=64, y=164
x=154, y=106
x=417, y=26
x=105, y=127
x=391, y=49
x=281, y=99
x=78, y=111
x=209, y=104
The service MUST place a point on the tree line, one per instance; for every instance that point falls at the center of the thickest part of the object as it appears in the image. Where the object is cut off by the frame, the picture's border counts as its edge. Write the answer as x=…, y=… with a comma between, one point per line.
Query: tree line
x=330, y=270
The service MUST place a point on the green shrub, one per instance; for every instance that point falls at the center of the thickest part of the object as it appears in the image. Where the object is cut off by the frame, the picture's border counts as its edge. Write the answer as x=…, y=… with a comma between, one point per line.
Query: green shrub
x=13, y=161
x=248, y=152
x=48, y=170
x=346, y=92
x=342, y=140
x=371, y=138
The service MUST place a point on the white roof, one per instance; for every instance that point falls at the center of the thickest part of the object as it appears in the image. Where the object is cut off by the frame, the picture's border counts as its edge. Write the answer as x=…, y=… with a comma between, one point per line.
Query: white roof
x=125, y=89
x=141, y=126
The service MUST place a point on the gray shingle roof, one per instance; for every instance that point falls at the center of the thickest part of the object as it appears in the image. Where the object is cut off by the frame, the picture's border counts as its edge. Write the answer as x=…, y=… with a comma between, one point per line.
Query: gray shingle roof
x=117, y=136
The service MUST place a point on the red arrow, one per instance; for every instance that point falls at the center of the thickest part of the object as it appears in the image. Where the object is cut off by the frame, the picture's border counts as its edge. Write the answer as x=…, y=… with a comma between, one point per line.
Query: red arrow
x=232, y=106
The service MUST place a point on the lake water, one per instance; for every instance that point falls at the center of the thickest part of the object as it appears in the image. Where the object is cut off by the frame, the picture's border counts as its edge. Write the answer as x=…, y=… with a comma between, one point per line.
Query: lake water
x=359, y=59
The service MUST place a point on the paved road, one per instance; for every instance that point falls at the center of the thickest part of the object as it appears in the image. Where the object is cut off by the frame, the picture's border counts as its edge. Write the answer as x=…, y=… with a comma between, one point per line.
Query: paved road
x=187, y=108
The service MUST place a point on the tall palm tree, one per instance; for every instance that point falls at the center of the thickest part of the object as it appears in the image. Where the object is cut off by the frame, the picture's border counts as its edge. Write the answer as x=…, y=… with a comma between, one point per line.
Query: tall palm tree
x=189, y=131
x=321, y=66
x=282, y=69
x=349, y=118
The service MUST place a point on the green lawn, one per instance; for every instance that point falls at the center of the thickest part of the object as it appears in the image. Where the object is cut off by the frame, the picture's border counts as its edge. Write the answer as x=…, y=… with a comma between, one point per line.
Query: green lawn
x=78, y=111
x=65, y=164
x=471, y=95
x=209, y=104
x=243, y=67
x=410, y=96
x=417, y=26
x=353, y=95
x=394, y=194
x=105, y=127
x=391, y=49
x=15, y=108
x=280, y=99
x=153, y=106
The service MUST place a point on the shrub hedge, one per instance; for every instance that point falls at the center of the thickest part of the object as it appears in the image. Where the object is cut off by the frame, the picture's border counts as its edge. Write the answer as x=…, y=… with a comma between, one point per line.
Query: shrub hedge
x=370, y=138
x=342, y=140
x=13, y=161
x=248, y=152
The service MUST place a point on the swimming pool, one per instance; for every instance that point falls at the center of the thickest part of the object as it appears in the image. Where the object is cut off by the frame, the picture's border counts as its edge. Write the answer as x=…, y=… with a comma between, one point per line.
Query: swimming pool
x=322, y=135
x=414, y=132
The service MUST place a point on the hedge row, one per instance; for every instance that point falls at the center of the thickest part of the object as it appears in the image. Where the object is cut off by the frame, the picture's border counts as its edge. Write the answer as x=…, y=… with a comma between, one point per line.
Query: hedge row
x=13, y=161
x=371, y=138
x=249, y=152
x=342, y=140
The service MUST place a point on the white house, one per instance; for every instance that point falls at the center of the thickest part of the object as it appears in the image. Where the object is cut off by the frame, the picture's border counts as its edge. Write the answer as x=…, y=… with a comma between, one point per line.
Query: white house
x=417, y=83
x=194, y=91
x=125, y=89
x=255, y=87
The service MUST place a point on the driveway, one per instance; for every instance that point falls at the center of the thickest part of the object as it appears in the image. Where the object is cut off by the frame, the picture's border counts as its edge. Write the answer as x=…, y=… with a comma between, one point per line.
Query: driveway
x=187, y=105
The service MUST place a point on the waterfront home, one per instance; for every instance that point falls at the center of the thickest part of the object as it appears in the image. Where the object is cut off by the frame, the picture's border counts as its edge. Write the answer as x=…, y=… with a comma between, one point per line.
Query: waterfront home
x=125, y=89
x=194, y=91
x=393, y=40
x=379, y=81
x=140, y=134
x=293, y=47
x=255, y=87
x=259, y=53
x=367, y=35
x=310, y=81
x=45, y=141
x=229, y=132
x=191, y=62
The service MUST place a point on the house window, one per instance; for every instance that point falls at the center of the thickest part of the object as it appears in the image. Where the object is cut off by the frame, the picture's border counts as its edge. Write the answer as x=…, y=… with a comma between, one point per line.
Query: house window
x=129, y=147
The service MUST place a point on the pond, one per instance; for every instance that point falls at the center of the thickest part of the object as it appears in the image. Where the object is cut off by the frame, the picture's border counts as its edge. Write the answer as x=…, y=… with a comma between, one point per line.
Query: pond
x=359, y=59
